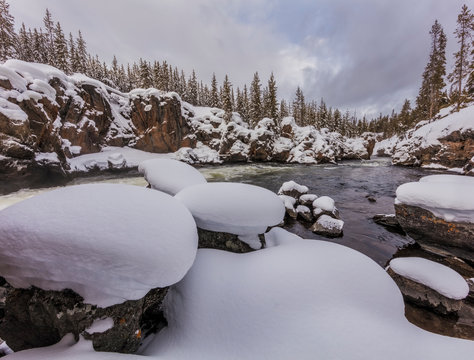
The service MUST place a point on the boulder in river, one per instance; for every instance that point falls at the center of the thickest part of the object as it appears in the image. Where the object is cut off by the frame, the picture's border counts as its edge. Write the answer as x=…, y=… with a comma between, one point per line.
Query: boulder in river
x=328, y=226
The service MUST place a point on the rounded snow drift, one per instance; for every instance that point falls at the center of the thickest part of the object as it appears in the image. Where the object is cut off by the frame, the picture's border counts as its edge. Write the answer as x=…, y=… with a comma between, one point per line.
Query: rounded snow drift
x=170, y=176
x=107, y=242
x=233, y=208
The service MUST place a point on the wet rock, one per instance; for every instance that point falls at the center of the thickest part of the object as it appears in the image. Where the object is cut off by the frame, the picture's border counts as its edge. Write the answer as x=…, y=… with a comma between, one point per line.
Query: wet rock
x=371, y=198
x=328, y=226
x=424, y=296
x=290, y=203
x=389, y=221
x=436, y=234
x=36, y=318
x=307, y=200
x=224, y=241
x=304, y=213
x=292, y=189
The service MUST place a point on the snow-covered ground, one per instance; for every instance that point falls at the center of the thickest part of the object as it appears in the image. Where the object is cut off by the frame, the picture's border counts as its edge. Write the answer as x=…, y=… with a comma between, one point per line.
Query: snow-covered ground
x=298, y=299
x=450, y=197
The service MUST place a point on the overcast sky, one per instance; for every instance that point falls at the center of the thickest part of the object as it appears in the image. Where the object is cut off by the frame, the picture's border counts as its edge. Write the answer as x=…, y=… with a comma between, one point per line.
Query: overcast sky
x=364, y=55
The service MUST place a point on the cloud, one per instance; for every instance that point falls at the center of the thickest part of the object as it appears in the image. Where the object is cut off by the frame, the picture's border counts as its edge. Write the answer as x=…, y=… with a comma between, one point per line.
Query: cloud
x=366, y=55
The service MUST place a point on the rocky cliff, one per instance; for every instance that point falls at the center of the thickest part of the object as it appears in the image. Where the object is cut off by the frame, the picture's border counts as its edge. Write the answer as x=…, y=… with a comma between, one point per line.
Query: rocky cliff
x=445, y=143
x=48, y=118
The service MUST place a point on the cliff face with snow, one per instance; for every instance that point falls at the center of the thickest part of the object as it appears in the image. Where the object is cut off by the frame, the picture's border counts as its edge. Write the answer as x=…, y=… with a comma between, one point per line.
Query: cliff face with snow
x=446, y=143
x=48, y=118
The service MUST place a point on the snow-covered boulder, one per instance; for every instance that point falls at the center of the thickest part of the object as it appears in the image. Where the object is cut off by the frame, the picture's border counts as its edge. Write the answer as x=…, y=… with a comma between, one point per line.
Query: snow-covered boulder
x=289, y=203
x=108, y=243
x=304, y=212
x=446, y=143
x=240, y=209
x=438, y=212
x=429, y=284
x=170, y=176
x=328, y=226
x=325, y=205
x=307, y=199
x=293, y=189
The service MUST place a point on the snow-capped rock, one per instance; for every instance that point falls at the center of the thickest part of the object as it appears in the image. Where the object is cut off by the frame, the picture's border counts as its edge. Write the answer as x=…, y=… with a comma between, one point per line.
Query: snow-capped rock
x=170, y=176
x=446, y=143
x=328, y=226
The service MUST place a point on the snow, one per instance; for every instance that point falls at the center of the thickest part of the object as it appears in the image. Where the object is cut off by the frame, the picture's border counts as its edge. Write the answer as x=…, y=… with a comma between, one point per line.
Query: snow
x=170, y=176
x=289, y=201
x=435, y=276
x=291, y=185
x=107, y=242
x=324, y=203
x=13, y=112
x=303, y=209
x=292, y=300
x=385, y=146
x=234, y=208
x=49, y=157
x=308, y=197
x=450, y=197
x=132, y=157
x=330, y=223
x=101, y=325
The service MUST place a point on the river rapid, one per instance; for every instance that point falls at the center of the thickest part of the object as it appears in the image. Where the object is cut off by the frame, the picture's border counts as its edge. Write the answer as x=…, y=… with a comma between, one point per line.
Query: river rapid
x=348, y=183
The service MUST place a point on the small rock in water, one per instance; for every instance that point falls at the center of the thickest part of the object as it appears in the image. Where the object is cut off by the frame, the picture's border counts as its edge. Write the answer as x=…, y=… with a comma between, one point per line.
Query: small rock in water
x=307, y=199
x=328, y=226
x=389, y=221
x=304, y=212
x=371, y=198
x=293, y=189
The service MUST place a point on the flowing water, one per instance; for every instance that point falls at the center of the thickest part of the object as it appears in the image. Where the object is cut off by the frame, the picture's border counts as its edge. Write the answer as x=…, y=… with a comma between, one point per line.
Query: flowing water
x=348, y=183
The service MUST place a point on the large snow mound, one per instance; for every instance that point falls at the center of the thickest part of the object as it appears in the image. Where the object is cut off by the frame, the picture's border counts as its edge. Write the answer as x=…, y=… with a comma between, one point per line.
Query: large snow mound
x=234, y=208
x=298, y=300
x=109, y=243
x=170, y=176
x=438, y=277
x=450, y=197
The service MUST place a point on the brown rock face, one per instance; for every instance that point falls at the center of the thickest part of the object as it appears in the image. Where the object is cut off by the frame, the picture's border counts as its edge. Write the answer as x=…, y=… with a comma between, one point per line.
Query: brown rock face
x=36, y=318
x=160, y=128
x=431, y=232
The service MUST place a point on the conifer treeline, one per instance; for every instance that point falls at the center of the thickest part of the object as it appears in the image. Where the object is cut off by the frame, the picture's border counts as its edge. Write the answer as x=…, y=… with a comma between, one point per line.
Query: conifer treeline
x=50, y=45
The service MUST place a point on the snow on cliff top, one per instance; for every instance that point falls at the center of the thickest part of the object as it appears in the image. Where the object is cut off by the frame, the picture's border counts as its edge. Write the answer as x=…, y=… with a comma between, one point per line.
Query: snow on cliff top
x=436, y=276
x=234, y=208
x=450, y=197
x=170, y=176
x=109, y=243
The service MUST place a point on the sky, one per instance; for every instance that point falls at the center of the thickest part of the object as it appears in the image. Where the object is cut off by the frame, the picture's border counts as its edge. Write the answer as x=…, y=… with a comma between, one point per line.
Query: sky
x=359, y=55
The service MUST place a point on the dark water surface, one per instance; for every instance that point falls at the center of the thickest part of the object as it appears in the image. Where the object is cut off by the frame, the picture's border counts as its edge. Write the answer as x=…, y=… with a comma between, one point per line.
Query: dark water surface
x=348, y=183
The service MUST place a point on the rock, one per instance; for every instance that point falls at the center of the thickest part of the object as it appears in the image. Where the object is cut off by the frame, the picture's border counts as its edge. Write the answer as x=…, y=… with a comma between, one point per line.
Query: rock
x=224, y=241
x=328, y=226
x=116, y=161
x=324, y=205
x=389, y=221
x=289, y=205
x=371, y=198
x=424, y=296
x=293, y=189
x=436, y=234
x=307, y=199
x=304, y=212
x=36, y=318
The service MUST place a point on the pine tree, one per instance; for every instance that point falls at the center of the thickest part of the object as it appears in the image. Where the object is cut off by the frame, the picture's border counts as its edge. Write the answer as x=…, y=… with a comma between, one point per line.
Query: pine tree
x=430, y=94
x=81, y=54
x=49, y=37
x=60, y=48
x=226, y=99
x=214, y=101
x=38, y=47
x=299, y=107
x=272, y=102
x=245, y=104
x=405, y=118
x=255, y=101
x=24, y=49
x=284, y=111
x=462, y=66
x=74, y=62
x=193, y=89
x=145, y=74
x=7, y=32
